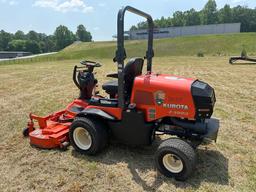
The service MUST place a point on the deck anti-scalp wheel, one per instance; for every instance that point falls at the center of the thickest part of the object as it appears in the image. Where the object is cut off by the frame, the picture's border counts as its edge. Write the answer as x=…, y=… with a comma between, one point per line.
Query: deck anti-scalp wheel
x=25, y=132
x=175, y=158
x=88, y=135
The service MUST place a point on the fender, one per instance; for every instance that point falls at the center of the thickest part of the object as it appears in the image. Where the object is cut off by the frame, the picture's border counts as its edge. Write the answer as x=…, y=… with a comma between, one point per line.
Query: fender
x=96, y=112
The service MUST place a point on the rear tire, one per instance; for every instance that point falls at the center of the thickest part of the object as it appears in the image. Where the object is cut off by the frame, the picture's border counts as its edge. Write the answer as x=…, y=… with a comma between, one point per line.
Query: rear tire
x=175, y=158
x=88, y=135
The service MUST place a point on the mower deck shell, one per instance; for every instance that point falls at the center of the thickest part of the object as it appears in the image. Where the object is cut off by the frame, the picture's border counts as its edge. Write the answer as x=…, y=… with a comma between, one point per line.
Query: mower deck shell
x=52, y=131
x=51, y=137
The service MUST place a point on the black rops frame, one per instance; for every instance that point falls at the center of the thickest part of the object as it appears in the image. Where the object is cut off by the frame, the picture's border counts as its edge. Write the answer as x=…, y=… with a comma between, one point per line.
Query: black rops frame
x=121, y=54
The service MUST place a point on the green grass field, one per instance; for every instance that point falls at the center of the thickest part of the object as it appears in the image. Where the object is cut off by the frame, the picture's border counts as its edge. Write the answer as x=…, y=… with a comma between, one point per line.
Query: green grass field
x=44, y=87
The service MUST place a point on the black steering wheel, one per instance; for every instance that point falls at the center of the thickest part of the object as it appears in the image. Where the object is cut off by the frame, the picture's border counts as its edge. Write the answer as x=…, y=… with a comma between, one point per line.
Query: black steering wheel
x=90, y=63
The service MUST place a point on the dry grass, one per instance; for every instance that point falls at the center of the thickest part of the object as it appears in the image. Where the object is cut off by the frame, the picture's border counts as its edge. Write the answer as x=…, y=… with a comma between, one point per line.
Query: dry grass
x=230, y=165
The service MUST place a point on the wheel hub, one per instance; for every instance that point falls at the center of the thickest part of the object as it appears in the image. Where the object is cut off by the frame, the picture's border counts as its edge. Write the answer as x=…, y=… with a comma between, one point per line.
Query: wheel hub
x=172, y=163
x=82, y=138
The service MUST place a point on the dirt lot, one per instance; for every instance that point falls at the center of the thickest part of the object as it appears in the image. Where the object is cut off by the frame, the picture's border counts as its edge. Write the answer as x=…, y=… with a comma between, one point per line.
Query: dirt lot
x=229, y=165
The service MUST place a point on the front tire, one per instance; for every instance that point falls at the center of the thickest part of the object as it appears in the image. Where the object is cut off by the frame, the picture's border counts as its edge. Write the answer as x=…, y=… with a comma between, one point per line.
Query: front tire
x=88, y=135
x=175, y=158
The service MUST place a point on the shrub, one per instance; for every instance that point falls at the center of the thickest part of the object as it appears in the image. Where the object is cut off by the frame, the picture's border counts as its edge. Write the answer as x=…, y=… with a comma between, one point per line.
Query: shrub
x=244, y=53
x=200, y=54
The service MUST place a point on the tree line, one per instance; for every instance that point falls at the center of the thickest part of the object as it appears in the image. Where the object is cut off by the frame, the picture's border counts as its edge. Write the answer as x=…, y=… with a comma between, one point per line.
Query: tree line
x=41, y=43
x=208, y=15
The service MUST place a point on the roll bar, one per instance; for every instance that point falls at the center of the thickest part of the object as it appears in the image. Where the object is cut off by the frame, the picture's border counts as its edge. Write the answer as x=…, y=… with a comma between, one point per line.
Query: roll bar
x=121, y=53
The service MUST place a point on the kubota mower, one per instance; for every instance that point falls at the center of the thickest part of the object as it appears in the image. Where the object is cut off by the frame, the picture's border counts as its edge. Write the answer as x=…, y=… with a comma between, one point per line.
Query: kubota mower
x=138, y=107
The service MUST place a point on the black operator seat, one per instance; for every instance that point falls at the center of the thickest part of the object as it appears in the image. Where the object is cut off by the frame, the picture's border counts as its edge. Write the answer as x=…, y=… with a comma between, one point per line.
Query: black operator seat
x=132, y=69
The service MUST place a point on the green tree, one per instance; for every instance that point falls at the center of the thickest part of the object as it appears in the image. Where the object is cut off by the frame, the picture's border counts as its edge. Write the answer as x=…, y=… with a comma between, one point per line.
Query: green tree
x=17, y=45
x=133, y=28
x=42, y=42
x=63, y=36
x=33, y=36
x=5, y=38
x=32, y=46
x=178, y=19
x=209, y=13
x=225, y=14
x=50, y=44
x=247, y=18
x=82, y=34
x=163, y=22
x=142, y=25
x=19, y=35
x=41, y=36
x=192, y=17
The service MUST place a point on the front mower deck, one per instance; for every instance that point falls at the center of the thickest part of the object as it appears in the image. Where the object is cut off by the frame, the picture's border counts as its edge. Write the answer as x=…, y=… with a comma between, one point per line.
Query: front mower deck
x=52, y=131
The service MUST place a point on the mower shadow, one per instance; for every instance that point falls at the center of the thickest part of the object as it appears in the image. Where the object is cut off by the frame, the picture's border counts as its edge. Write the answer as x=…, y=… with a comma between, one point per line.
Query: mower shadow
x=243, y=64
x=212, y=166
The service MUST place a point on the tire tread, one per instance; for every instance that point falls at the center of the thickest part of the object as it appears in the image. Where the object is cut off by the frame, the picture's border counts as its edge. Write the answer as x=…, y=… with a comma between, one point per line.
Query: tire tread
x=182, y=147
x=99, y=131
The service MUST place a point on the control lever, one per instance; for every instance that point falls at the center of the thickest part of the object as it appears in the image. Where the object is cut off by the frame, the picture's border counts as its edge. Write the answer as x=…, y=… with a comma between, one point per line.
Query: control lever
x=74, y=78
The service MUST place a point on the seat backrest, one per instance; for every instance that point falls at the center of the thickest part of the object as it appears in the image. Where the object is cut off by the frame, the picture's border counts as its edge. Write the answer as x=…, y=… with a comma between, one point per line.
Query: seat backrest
x=132, y=69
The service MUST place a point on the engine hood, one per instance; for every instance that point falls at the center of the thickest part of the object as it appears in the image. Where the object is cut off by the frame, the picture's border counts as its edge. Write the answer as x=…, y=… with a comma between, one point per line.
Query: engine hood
x=173, y=96
x=169, y=95
x=176, y=82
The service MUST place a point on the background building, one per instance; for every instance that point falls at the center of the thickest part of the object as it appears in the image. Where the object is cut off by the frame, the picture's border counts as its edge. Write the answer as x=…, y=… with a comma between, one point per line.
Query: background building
x=12, y=54
x=186, y=31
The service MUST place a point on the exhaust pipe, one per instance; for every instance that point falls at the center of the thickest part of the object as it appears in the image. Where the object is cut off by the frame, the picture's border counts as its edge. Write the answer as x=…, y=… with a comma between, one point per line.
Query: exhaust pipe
x=197, y=127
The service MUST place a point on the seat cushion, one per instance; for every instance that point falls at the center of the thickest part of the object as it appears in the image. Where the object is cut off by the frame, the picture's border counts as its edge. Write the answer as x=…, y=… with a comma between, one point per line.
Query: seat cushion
x=111, y=87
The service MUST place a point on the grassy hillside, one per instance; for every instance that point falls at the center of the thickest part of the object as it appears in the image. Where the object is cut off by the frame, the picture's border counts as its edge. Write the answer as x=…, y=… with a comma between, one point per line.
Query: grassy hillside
x=182, y=46
x=209, y=45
